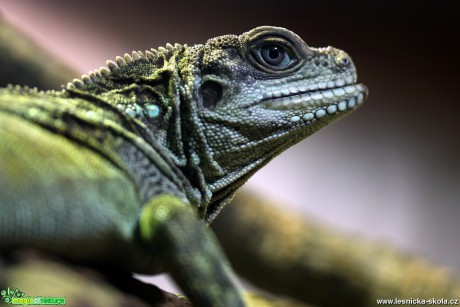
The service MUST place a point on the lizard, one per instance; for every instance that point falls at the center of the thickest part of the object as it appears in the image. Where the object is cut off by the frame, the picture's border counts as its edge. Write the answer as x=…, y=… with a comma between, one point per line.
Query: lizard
x=128, y=165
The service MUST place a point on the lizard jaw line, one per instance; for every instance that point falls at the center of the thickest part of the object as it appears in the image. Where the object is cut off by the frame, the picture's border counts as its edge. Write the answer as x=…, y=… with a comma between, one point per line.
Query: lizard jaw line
x=303, y=88
x=319, y=98
x=332, y=108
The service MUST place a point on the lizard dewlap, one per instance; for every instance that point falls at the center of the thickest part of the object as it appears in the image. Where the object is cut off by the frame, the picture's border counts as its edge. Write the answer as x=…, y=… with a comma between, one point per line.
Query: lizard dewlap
x=132, y=159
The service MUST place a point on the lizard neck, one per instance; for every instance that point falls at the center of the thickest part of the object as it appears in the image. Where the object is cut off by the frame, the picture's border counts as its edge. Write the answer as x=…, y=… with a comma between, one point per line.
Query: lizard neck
x=160, y=116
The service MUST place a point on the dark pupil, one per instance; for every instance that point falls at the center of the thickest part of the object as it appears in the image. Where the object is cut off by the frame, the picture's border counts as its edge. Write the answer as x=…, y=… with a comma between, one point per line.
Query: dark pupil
x=274, y=53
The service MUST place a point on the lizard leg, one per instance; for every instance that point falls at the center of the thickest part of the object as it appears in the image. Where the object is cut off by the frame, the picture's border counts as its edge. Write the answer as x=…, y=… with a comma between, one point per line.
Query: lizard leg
x=188, y=251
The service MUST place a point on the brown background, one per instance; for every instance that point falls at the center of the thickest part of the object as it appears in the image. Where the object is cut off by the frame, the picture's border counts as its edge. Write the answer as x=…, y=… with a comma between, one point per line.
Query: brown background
x=390, y=171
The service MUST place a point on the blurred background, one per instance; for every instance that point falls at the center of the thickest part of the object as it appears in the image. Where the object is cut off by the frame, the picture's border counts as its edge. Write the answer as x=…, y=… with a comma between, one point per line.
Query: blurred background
x=390, y=171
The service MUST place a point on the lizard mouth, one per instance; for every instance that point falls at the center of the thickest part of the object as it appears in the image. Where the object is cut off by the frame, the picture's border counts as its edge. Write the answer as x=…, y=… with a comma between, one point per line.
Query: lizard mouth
x=317, y=100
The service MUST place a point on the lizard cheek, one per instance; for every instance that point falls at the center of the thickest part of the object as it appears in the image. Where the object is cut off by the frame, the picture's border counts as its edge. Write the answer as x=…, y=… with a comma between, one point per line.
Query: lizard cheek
x=211, y=93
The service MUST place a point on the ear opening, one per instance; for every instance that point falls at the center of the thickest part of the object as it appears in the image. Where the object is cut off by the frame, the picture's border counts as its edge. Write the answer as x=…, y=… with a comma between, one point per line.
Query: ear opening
x=211, y=93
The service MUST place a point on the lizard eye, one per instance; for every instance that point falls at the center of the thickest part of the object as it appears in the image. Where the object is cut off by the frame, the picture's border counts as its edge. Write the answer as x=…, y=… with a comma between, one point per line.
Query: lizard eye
x=275, y=55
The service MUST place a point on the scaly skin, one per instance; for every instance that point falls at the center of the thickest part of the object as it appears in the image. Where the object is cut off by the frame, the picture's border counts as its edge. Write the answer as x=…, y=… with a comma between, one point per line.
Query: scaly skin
x=134, y=159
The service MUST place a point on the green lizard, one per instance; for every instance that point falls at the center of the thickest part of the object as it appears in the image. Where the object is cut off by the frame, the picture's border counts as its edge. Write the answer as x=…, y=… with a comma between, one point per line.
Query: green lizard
x=125, y=166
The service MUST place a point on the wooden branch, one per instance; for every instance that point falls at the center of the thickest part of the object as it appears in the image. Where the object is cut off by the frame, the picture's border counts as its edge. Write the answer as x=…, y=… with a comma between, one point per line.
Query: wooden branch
x=293, y=256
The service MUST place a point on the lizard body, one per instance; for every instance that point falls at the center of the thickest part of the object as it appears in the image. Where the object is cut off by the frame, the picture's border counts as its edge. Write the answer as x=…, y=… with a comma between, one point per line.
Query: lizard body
x=134, y=159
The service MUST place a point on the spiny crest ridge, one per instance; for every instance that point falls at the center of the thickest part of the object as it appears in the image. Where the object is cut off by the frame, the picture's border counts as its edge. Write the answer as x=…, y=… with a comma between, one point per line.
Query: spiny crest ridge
x=150, y=55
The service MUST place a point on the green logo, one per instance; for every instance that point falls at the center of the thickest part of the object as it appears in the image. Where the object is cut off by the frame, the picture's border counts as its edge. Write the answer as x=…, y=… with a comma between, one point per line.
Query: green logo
x=16, y=297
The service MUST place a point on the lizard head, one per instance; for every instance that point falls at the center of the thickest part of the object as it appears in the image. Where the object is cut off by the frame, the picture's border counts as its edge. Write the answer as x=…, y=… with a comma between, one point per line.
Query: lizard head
x=261, y=92
x=224, y=109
